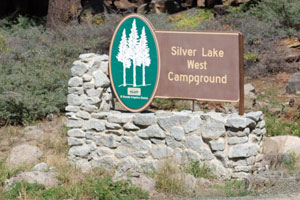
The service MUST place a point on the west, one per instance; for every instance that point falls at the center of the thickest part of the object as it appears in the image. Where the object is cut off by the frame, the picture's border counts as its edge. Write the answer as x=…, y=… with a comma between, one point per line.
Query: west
x=192, y=64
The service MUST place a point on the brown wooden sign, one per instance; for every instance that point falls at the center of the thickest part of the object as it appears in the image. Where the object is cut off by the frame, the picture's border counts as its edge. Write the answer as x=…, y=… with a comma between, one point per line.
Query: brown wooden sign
x=201, y=66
